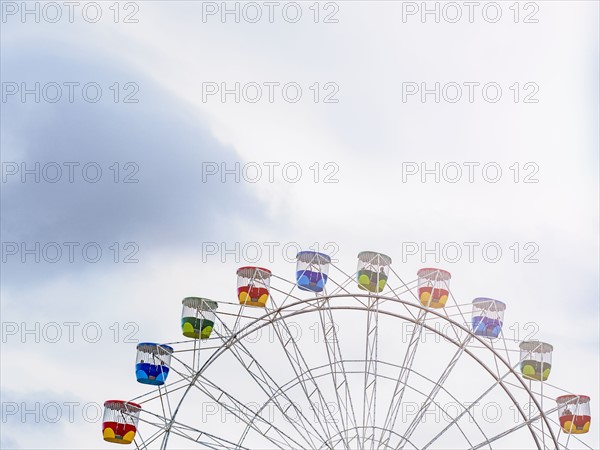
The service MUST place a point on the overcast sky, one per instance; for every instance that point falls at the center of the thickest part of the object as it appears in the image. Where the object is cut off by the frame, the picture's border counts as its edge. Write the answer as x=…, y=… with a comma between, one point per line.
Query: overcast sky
x=326, y=135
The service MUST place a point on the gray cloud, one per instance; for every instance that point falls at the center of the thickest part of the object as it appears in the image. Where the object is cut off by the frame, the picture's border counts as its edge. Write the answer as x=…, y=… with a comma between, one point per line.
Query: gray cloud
x=164, y=139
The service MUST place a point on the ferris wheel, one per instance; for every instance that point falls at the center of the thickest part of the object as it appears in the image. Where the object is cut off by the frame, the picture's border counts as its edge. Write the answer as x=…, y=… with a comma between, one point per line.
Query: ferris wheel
x=351, y=360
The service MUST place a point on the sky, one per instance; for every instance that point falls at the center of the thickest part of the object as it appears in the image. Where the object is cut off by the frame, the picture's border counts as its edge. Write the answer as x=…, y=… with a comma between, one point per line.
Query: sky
x=149, y=149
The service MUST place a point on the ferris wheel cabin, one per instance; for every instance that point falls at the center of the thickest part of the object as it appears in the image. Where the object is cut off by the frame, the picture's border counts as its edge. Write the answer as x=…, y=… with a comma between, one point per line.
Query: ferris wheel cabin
x=120, y=421
x=152, y=363
x=373, y=270
x=198, y=317
x=253, y=286
x=433, y=287
x=574, y=413
x=311, y=270
x=488, y=316
x=536, y=360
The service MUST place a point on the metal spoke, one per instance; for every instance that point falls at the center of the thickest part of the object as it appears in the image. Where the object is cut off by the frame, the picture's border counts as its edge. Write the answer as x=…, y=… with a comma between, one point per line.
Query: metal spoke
x=438, y=385
x=299, y=366
x=513, y=429
x=244, y=413
x=338, y=370
x=403, y=377
x=176, y=429
x=498, y=382
x=270, y=387
x=370, y=378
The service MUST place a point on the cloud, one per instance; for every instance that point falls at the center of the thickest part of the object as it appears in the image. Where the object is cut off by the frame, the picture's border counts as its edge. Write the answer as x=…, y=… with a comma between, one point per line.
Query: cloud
x=160, y=141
